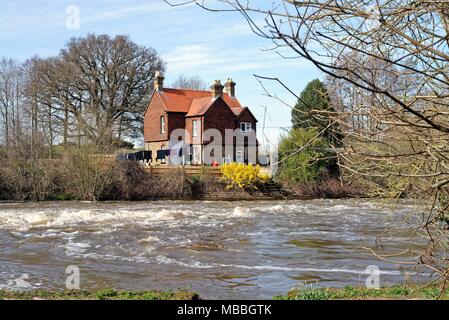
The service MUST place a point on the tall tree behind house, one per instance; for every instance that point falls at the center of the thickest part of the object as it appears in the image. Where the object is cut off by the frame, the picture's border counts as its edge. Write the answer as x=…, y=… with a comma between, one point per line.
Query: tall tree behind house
x=97, y=85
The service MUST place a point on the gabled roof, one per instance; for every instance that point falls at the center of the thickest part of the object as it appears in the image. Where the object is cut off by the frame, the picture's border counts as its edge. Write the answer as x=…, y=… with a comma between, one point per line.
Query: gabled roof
x=246, y=109
x=194, y=102
x=200, y=106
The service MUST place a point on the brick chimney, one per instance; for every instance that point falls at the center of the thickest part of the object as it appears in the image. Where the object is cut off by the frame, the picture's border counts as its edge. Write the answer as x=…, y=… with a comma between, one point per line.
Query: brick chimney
x=230, y=87
x=158, y=81
x=217, y=89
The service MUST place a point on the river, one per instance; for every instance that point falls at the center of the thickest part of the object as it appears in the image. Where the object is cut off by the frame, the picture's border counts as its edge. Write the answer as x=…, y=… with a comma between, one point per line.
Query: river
x=229, y=250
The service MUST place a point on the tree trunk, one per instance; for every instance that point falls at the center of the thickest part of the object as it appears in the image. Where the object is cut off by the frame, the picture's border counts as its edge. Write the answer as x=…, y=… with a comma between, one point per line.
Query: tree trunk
x=66, y=124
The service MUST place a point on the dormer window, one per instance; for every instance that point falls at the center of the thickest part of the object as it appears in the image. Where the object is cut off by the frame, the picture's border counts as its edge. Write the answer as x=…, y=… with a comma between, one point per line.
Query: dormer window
x=245, y=127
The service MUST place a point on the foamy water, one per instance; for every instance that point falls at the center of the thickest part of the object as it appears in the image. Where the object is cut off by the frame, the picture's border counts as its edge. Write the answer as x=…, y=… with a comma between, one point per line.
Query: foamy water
x=219, y=249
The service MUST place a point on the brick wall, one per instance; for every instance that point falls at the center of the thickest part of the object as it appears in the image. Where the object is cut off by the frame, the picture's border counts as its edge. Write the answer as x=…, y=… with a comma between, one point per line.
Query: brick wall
x=176, y=120
x=219, y=117
x=247, y=117
x=151, y=122
x=154, y=147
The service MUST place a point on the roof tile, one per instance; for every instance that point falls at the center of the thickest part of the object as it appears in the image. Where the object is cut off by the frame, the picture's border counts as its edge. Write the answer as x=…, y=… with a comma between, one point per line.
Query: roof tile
x=194, y=102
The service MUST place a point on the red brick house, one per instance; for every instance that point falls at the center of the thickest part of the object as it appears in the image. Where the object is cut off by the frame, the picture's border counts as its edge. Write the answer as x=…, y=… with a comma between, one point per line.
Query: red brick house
x=197, y=111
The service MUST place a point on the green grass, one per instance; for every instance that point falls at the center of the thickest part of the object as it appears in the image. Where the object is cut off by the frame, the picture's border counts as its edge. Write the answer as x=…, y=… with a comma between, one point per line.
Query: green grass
x=104, y=294
x=347, y=293
x=352, y=293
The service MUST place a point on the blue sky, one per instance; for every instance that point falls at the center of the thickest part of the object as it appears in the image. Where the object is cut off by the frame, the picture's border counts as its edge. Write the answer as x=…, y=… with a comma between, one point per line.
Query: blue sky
x=192, y=41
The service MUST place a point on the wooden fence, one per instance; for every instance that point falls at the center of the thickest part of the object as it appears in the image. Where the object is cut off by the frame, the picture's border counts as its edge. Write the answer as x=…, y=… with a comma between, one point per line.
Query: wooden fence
x=189, y=171
x=158, y=170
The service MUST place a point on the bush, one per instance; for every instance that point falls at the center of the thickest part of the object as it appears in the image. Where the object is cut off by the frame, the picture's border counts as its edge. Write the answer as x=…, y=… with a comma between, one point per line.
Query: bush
x=173, y=184
x=24, y=175
x=303, y=166
x=132, y=183
x=83, y=173
x=87, y=173
x=328, y=188
x=239, y=175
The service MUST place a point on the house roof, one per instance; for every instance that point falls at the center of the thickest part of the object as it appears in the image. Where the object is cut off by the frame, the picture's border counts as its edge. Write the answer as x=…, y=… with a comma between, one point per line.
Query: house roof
x=199, y=106
x=246, y=109
x=194, y=102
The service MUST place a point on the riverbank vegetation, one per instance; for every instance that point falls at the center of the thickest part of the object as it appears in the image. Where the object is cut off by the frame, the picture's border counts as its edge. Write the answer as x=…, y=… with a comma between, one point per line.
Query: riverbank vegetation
x=240, y=175
x=362, y=293
x=347, y=293
x=81, y=173
x=84, y=173
x=103, y=294
x=308, y=158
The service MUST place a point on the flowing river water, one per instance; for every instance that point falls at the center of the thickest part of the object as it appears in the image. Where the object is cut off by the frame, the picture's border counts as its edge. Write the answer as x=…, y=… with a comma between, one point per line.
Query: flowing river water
x=229, y=250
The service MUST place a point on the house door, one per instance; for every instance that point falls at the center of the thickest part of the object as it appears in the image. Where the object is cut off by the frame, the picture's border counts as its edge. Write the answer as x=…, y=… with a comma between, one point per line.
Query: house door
x=245, y=154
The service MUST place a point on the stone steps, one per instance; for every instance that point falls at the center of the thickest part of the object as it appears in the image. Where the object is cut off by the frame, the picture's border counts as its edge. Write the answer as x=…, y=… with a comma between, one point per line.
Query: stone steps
x=273, y=189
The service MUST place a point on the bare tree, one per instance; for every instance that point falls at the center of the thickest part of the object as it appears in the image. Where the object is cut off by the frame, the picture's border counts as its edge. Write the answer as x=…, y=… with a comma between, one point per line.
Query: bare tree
x=189, y=82
x=10, y=98
x=98, y=83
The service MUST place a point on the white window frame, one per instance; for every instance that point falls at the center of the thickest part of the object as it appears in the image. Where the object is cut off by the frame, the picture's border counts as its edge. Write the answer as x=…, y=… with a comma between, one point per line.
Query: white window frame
x=247, y=127
x=162, y=124
x=195, y=128
x=239, y=154
x=196, y=155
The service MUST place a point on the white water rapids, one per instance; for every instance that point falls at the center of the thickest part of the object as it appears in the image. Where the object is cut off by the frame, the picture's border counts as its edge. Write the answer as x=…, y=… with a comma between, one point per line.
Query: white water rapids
x=234, y=250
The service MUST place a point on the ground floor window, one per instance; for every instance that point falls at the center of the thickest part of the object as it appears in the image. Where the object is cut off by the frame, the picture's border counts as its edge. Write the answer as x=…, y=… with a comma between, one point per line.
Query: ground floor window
x=239, y=156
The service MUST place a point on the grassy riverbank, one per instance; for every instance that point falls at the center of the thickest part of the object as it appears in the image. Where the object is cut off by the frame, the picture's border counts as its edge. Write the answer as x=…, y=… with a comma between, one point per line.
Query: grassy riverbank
x=352, y=293
x=347, y=293
x=105, y=294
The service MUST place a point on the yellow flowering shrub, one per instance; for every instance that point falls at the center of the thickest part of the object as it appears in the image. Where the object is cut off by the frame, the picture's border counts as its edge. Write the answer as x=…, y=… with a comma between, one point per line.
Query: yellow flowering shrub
x=240, y=175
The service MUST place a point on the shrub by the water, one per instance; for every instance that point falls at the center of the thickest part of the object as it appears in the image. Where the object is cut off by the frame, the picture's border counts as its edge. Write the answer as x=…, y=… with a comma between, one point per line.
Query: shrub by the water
x=328, y=187
x=244, y=176
x=24, y=175
x=87, y=174
x=132, y=183
x=81, y=173
x=173, y=184
x=301, y=156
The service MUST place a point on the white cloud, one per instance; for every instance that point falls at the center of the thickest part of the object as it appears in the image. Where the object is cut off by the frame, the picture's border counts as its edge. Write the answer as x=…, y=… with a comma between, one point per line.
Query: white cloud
x=125, y=12
x=190, y=58
x=195, y=58
x=210, y=59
